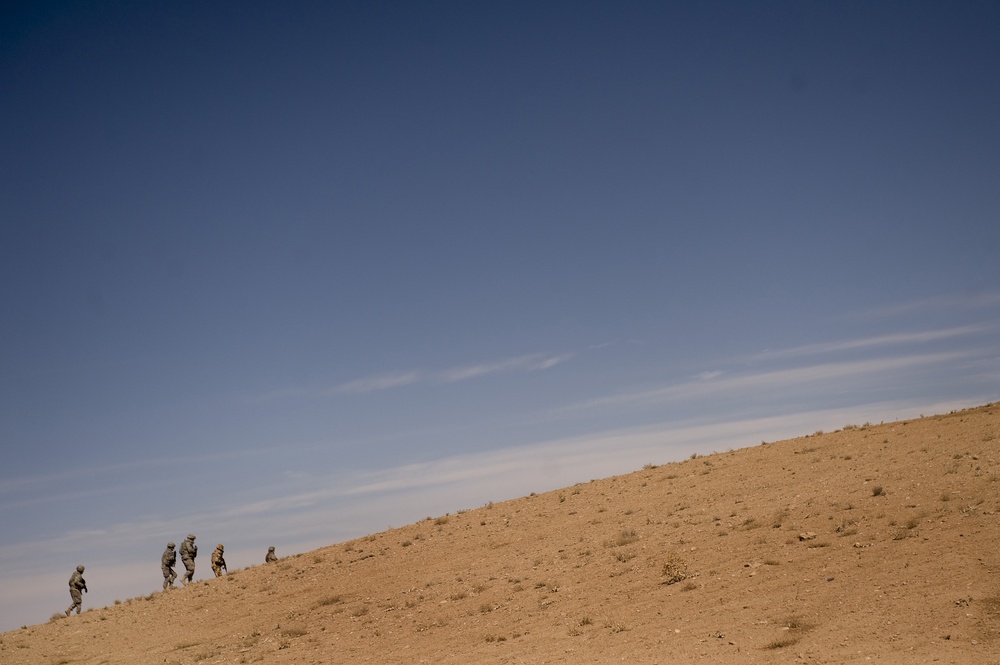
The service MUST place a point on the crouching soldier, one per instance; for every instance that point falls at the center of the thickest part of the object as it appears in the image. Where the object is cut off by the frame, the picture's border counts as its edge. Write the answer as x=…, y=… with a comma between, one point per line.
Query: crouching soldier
x=76, y=585
x=167, y=563
x=218, y=562
x=271, y=556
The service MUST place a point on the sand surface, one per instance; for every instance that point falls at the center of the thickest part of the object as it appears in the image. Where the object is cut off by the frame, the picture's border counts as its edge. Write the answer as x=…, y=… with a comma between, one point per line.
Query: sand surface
x=874, y=543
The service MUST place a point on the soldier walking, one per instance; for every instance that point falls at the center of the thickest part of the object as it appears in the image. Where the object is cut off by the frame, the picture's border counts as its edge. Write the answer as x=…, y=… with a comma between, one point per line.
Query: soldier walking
x=218, y=562
x=167, y=563
x=76, y=584
x=271, y=556
x=188, y=553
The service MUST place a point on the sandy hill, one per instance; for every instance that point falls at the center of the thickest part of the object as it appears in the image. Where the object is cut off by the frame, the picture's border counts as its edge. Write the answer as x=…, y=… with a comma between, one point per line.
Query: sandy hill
x=875, y=543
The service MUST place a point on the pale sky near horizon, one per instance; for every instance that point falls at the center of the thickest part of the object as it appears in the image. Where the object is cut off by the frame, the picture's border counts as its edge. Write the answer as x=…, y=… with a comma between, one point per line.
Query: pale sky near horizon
x=286, y=274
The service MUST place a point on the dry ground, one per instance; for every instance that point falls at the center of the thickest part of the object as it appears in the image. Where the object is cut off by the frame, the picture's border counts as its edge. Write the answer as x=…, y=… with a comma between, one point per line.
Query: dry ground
x=875, y=543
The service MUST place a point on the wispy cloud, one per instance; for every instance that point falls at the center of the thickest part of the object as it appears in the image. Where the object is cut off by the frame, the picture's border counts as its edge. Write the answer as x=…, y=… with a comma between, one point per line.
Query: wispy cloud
x=526, y=363
x=380, y=382
x=705, y=386
x=868, y=342
x=962, y=301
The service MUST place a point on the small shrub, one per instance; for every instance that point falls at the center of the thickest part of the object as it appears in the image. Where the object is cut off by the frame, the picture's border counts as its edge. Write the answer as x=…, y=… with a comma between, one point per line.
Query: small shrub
x=617, y=625
x=675, y=570
x=329, y=600
x=878, y=490
x=626, y=537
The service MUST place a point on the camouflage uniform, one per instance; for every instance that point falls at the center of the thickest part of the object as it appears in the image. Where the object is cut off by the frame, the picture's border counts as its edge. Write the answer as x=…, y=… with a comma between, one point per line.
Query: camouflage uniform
x=218, y=562
x=271, y=556
x=167, y=562
x=188, y=552
x=76, y=584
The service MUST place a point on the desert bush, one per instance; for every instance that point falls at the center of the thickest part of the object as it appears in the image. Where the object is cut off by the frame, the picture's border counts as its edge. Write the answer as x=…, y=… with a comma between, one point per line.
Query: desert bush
x=627, y=536
x=675, y=570
x=329, y=600
x=878, y=490
x=847, y=528
x=616, y=624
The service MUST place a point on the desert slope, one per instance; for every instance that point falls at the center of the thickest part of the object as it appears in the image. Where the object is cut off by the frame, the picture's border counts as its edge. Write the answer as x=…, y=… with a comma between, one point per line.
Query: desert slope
x=875, y=543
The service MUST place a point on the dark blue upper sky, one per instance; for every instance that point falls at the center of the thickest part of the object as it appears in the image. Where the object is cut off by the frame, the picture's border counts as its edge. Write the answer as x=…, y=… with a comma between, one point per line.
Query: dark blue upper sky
x=378, y=234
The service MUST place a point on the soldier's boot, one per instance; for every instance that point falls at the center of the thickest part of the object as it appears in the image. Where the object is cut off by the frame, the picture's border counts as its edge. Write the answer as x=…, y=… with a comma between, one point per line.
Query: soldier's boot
x=68, y=611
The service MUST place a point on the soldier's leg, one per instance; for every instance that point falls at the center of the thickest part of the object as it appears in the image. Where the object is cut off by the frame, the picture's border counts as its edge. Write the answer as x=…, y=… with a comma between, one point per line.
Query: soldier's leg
x=77, y=601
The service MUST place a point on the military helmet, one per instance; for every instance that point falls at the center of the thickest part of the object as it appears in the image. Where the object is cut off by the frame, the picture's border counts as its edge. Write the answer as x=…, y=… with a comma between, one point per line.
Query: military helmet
x=220, y=547
x=190, y=536
x=79, y=569
x=271, y=548
x=170, y=545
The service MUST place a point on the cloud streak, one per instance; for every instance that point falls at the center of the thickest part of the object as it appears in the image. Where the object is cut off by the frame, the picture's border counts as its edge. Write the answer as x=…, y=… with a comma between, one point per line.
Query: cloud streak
x=380, y=382
x=706, y=386
x=869, y=342
x=965, y=301
x=526, y=363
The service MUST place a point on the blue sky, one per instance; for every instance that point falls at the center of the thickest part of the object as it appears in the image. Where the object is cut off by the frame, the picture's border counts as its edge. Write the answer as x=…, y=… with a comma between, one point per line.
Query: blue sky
x=286, y=274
